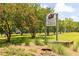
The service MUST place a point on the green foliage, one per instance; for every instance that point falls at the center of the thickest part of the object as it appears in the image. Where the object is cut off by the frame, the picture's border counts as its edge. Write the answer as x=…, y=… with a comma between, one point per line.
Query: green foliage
x=58, y=48
x=30, y=18
x=27, y=42
x=39, y=42
x=21, y=40
x=18, y=40
x=76, y=46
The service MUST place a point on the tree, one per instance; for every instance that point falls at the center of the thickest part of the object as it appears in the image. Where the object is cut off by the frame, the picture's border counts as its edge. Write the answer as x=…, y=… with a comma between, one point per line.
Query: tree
x=6, y=20
x=68, y=24
x=42, y=13
x=61, y=26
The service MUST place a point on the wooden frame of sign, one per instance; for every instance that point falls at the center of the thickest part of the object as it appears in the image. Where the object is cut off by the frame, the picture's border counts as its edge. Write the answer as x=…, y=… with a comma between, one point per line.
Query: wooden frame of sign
x=51, y=19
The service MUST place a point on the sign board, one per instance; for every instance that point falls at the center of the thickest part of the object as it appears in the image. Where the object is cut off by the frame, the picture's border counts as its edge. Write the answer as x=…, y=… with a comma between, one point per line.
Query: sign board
x=51, y=19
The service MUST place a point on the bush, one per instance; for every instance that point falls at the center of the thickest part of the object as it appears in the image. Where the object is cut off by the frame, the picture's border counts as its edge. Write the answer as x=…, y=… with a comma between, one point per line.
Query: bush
x=39, y=42
x=27, y=42
x=18, y=40
x=76, y=46
x=58, y=48
x=61, y=50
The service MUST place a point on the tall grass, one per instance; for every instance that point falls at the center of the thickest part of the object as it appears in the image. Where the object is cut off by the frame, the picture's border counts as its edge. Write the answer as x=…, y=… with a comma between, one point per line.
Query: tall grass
x=76, y=46
x=39, y=42
x=58, y=48
x=13, y=51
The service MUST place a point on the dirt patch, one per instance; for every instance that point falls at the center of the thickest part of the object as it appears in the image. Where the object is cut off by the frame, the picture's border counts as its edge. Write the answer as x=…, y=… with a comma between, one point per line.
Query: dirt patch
x=33, y=50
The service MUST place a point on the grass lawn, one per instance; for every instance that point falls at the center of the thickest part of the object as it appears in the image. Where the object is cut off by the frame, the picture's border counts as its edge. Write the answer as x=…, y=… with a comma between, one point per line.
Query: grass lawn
x=64, y=36
x=72, y=36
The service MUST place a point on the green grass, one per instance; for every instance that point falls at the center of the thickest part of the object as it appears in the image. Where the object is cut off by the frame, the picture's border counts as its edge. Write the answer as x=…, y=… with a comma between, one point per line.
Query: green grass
x=73, y=36
x=17, y=38
x=59, y=49
x=26, y=39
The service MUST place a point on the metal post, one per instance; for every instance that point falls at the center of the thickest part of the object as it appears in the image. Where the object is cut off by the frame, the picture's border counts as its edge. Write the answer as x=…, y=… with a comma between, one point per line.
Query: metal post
x=56, y=27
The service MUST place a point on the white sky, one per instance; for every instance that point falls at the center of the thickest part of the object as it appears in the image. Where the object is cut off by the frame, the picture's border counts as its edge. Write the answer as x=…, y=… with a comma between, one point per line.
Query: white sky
x=61, y=7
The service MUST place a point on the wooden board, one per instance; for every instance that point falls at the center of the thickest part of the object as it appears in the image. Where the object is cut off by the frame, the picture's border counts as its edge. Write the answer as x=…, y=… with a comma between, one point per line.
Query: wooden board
x=67, y=43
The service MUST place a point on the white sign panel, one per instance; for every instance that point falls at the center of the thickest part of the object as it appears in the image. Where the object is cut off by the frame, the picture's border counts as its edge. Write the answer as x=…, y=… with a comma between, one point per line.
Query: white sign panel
x=51, y=19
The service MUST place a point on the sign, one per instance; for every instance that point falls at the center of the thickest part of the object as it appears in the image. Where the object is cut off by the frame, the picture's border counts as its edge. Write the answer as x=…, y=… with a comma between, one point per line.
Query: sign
x=51, y=19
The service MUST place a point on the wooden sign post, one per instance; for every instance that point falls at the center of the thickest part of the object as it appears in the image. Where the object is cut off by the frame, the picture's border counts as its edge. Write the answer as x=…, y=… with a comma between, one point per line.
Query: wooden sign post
x=52, y=20
x=56, y=27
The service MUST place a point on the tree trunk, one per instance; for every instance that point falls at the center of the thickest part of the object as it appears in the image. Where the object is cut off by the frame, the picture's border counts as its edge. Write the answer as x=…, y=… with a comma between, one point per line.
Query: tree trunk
x=7, y=31
x=21, y=33
x=33, y=32
x=8, y=37
x=21, y=30
x=33, y=35
x=54, y=32
x=47, y=31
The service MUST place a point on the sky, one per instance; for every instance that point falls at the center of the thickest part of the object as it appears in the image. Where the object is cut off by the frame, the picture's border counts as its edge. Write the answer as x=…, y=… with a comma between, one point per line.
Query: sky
x=69, y=10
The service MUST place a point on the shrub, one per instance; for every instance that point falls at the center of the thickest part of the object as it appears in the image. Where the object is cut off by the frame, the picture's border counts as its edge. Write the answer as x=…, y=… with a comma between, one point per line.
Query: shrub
x=58, y=48
x=21, y=40
x=61, y=50
x=76, y=46
x=18, y=40
x=38, y=42
x=27, y=42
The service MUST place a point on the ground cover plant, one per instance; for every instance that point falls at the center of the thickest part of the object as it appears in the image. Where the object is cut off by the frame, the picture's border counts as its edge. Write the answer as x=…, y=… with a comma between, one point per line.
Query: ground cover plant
x=26, y=41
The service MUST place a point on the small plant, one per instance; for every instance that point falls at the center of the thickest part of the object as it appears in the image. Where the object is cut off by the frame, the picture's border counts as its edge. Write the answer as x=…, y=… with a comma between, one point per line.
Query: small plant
x=38, y=42
x=46, y=40
x=13, y=51
x=27, y=42
x=61, y=50
x=17, y=40
x=76, y=46
x=58, y=48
